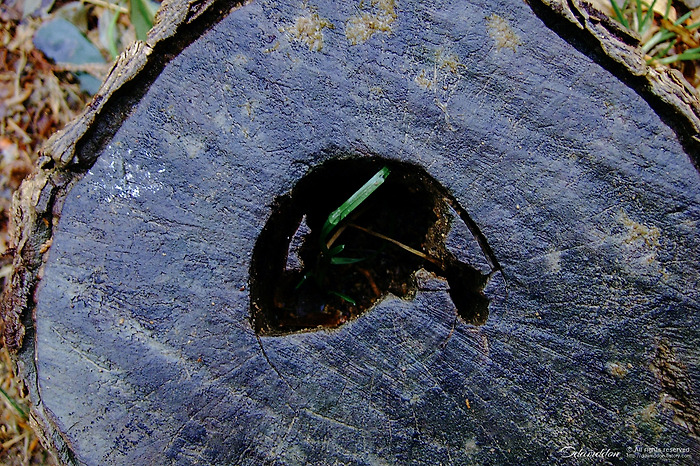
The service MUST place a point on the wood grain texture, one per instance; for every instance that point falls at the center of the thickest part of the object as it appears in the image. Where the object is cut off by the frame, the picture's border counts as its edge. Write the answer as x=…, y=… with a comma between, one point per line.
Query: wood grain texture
x=584, y=188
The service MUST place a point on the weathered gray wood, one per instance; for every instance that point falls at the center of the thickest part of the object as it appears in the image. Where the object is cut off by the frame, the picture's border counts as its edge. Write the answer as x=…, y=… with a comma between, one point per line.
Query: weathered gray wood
x=144, y=352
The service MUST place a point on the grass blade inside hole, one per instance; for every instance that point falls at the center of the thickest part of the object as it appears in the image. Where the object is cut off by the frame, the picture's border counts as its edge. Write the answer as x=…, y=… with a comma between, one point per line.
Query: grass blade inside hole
x=335, y=225
x=347, y=207
x=329, y=255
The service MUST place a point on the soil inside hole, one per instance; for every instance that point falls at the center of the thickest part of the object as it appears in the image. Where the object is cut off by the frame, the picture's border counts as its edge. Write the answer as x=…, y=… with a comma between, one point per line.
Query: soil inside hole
x=295, y=288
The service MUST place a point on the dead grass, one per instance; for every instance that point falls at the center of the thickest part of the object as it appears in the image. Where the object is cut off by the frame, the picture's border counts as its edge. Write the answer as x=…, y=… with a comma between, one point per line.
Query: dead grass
x=36, y=99
x=20, y=445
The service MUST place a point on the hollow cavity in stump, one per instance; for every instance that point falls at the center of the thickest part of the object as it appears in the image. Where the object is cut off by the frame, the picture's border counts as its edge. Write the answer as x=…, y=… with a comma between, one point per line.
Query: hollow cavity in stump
x=293, y=288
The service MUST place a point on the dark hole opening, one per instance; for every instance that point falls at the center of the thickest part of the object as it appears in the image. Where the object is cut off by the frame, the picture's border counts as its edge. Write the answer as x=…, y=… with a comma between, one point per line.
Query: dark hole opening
x=409, y=207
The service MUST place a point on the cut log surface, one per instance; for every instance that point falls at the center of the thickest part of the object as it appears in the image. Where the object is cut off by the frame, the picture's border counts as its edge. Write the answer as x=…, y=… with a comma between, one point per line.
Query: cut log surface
x=143, y=350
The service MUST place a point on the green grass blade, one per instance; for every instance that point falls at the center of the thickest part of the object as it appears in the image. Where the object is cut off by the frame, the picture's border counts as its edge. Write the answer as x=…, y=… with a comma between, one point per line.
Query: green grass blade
x=689, y=51
x=336, y=250
x=302, y=281
x=344, y=297
x=358, y=197
x=693, y=54
x=618, y=13
x=14, y=404
x=112, y=34
x=638, y=12
x=142, y=13
x=668, y=9
x=648, y=18
x=345, y=260
x=680, y=20
x=661, y=36
x=665, y=51
x=353, y=202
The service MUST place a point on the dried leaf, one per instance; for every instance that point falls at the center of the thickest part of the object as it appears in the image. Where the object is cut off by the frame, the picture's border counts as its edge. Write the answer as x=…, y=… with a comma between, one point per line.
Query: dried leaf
x=685, y=35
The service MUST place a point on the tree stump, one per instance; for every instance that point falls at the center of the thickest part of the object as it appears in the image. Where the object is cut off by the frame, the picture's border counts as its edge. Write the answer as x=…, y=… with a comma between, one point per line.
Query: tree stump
x=557, y=165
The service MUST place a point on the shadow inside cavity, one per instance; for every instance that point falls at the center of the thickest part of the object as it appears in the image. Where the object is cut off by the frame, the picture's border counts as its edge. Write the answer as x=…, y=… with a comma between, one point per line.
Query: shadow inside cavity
x=410, y=207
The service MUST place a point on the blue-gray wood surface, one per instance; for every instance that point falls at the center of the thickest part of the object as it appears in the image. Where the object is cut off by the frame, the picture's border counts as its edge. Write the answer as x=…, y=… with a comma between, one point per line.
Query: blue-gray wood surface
x=145, y=353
